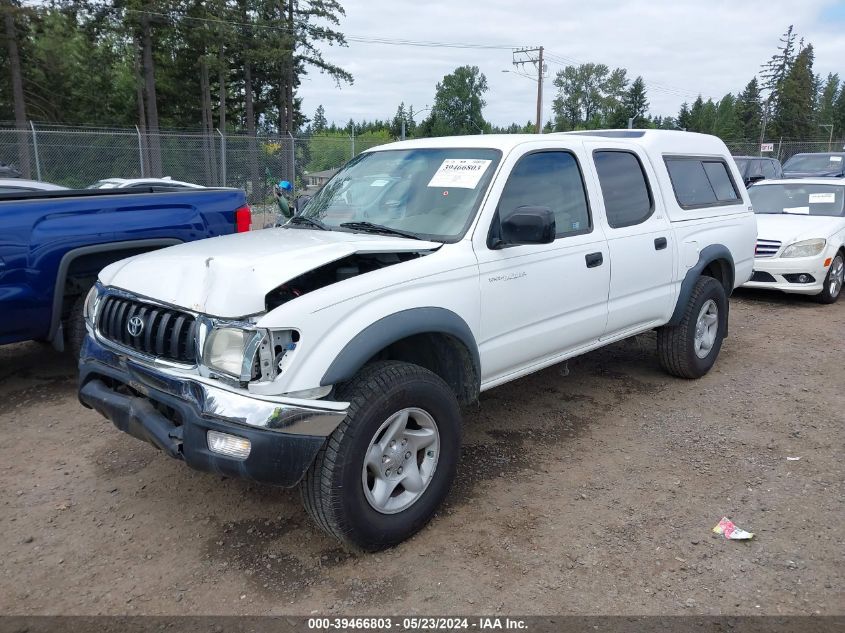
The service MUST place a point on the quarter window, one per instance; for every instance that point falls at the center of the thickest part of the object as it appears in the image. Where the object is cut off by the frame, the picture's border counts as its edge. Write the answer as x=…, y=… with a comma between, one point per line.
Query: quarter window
x=627, y=197
x=701, y=182
x=552, y=180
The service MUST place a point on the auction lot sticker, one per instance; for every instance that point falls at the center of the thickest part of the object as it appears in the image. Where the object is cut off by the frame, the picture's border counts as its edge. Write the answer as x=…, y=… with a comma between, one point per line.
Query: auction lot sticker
x=463, y=173
x=822, y=198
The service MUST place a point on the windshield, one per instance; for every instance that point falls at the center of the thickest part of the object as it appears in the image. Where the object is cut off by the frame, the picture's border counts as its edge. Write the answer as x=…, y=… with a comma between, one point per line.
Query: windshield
x=429, y=193
x=801, y=199
x=814, y=162
x=741, y=164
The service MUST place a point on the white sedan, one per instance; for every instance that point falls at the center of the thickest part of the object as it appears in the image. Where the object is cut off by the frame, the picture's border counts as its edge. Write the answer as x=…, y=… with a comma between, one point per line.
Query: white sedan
x=131, y=183
x=18, y=185
x=800, y=236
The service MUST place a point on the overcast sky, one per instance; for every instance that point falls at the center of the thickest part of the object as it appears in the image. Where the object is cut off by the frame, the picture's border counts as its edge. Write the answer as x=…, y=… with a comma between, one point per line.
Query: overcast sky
x=681, y=48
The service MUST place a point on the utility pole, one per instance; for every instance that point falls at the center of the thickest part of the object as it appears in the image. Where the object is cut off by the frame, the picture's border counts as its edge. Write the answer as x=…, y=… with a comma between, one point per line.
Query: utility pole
x=830, y=138
x=534, y=56
x=763, y=129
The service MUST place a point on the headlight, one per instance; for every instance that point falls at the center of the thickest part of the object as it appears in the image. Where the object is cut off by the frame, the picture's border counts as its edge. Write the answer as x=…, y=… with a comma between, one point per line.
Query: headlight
x=231, y=351
x=89, y=305
x=807, y=248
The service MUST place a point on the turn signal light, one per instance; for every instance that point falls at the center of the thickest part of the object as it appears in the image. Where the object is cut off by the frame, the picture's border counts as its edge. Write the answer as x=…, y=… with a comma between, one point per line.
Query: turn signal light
x=827, y=262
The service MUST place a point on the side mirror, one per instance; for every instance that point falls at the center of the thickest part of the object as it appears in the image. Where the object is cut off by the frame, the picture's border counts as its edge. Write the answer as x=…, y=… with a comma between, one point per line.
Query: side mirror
x=752, y=179
x=299, y=204
x=528, y=225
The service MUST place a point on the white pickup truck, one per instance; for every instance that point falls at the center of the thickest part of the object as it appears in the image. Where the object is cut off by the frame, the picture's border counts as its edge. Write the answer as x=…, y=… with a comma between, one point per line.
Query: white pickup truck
x=335, y=352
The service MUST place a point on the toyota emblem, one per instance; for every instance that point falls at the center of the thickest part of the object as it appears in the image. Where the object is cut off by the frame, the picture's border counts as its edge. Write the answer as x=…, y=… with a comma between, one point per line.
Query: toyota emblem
x=135, y=326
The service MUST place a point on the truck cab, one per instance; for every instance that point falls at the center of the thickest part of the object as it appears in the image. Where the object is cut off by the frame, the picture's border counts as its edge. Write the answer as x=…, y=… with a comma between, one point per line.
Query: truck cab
x=335, y=352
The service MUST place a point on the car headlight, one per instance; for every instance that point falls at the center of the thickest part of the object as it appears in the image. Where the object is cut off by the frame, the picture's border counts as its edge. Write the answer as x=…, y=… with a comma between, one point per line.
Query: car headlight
x=88, y=308
x=806, y=248
x=231, y=350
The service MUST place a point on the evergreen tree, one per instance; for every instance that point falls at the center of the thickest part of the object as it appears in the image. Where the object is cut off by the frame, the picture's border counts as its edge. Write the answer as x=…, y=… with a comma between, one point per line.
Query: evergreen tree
x=793, y=113
x=684, y=118
x=319, y=123
x=838, y=118
x=725, y=126
x=775, y=70
x=748, y=111
x=635, y=102
x=696, y=116
x=396, y=123
x=827, y=99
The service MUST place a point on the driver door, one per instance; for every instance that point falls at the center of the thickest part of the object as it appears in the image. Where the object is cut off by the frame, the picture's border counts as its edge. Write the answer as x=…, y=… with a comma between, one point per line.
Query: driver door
x=540, y=302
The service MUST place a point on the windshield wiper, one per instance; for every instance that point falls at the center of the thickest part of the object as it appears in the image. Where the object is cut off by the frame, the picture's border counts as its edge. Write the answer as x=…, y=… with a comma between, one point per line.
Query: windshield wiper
x=301, y=219
x=369, y=227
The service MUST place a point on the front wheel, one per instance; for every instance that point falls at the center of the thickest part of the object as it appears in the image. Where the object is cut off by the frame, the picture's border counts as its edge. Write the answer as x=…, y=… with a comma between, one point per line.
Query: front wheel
x=386, y=469
x=834, y=281
x=689, y=349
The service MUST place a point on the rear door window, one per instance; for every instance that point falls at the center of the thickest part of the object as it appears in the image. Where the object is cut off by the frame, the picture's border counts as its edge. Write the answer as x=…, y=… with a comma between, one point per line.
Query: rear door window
x=627, y=196
x=701, y=182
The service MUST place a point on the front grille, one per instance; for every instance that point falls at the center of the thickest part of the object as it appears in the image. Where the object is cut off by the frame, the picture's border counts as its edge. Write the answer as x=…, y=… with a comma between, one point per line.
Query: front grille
x=759, y=275
x=165, y=332
x=766, y=248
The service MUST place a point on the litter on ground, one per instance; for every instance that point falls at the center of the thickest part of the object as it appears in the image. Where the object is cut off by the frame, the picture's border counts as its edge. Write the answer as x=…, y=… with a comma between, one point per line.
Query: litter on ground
x=726, y=528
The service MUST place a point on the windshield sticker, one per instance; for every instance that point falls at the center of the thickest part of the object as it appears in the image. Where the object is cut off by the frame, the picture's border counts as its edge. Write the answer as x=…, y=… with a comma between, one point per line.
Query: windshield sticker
x=463, y=173
x=822, y=198
x=835, y=159
x=379, y=183
x=798, y=210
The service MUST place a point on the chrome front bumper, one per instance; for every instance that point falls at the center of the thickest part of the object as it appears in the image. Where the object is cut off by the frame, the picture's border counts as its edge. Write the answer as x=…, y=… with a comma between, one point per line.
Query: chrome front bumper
x=175, y=412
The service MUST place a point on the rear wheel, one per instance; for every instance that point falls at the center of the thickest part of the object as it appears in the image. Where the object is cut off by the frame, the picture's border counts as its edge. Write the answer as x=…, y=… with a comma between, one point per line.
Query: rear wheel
x=689, y=349
x=834, y=281
x=386, y=469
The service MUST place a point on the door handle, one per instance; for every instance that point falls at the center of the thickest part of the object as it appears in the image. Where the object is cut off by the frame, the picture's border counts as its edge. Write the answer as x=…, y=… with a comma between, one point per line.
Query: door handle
x=594, y=259
x=660, y=243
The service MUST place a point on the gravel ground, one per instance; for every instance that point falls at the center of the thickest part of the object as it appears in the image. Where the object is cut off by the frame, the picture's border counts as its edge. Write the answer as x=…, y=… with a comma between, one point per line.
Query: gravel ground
x=588, y=493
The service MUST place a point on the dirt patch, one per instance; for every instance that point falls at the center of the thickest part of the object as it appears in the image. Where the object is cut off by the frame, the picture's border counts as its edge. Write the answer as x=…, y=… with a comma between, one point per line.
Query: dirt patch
x=591, y=490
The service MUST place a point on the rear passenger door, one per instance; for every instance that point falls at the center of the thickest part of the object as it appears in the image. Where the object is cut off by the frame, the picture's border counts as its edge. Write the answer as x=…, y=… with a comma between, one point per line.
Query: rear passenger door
x=639, y=238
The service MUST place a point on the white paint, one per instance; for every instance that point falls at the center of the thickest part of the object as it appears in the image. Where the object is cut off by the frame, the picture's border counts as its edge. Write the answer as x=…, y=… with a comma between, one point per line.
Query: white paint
x=527, y=306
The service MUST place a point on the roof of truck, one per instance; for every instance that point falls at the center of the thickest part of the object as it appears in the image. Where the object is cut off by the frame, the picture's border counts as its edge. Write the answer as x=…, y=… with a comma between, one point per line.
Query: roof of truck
x=660, y=141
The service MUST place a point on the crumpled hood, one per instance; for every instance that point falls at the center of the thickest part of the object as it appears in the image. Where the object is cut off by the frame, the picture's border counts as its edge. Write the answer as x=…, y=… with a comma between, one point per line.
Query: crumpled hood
x=229, y=276
x=788, y=228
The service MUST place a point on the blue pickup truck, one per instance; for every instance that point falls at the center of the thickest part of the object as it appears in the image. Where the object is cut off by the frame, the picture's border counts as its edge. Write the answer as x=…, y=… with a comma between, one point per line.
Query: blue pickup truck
x=53, y=244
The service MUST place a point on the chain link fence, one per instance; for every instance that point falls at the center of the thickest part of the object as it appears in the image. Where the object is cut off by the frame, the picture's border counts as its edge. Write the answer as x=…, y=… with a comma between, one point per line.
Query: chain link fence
x=783, y=149
x=80, y=156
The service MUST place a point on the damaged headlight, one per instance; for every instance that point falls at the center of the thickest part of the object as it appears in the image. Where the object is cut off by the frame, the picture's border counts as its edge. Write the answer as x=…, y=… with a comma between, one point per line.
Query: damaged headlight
x=89, y=307
x=249, y=354
x=231, y=351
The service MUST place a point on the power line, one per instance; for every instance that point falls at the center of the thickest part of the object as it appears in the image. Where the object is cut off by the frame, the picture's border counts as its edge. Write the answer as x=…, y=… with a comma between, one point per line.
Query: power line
x=553, y=57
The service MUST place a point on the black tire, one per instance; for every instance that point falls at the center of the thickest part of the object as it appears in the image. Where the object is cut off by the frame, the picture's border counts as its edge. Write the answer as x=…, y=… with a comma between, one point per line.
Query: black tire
x=332, y=490
x=676, y=343
x=75, y=325
x=829, y=295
